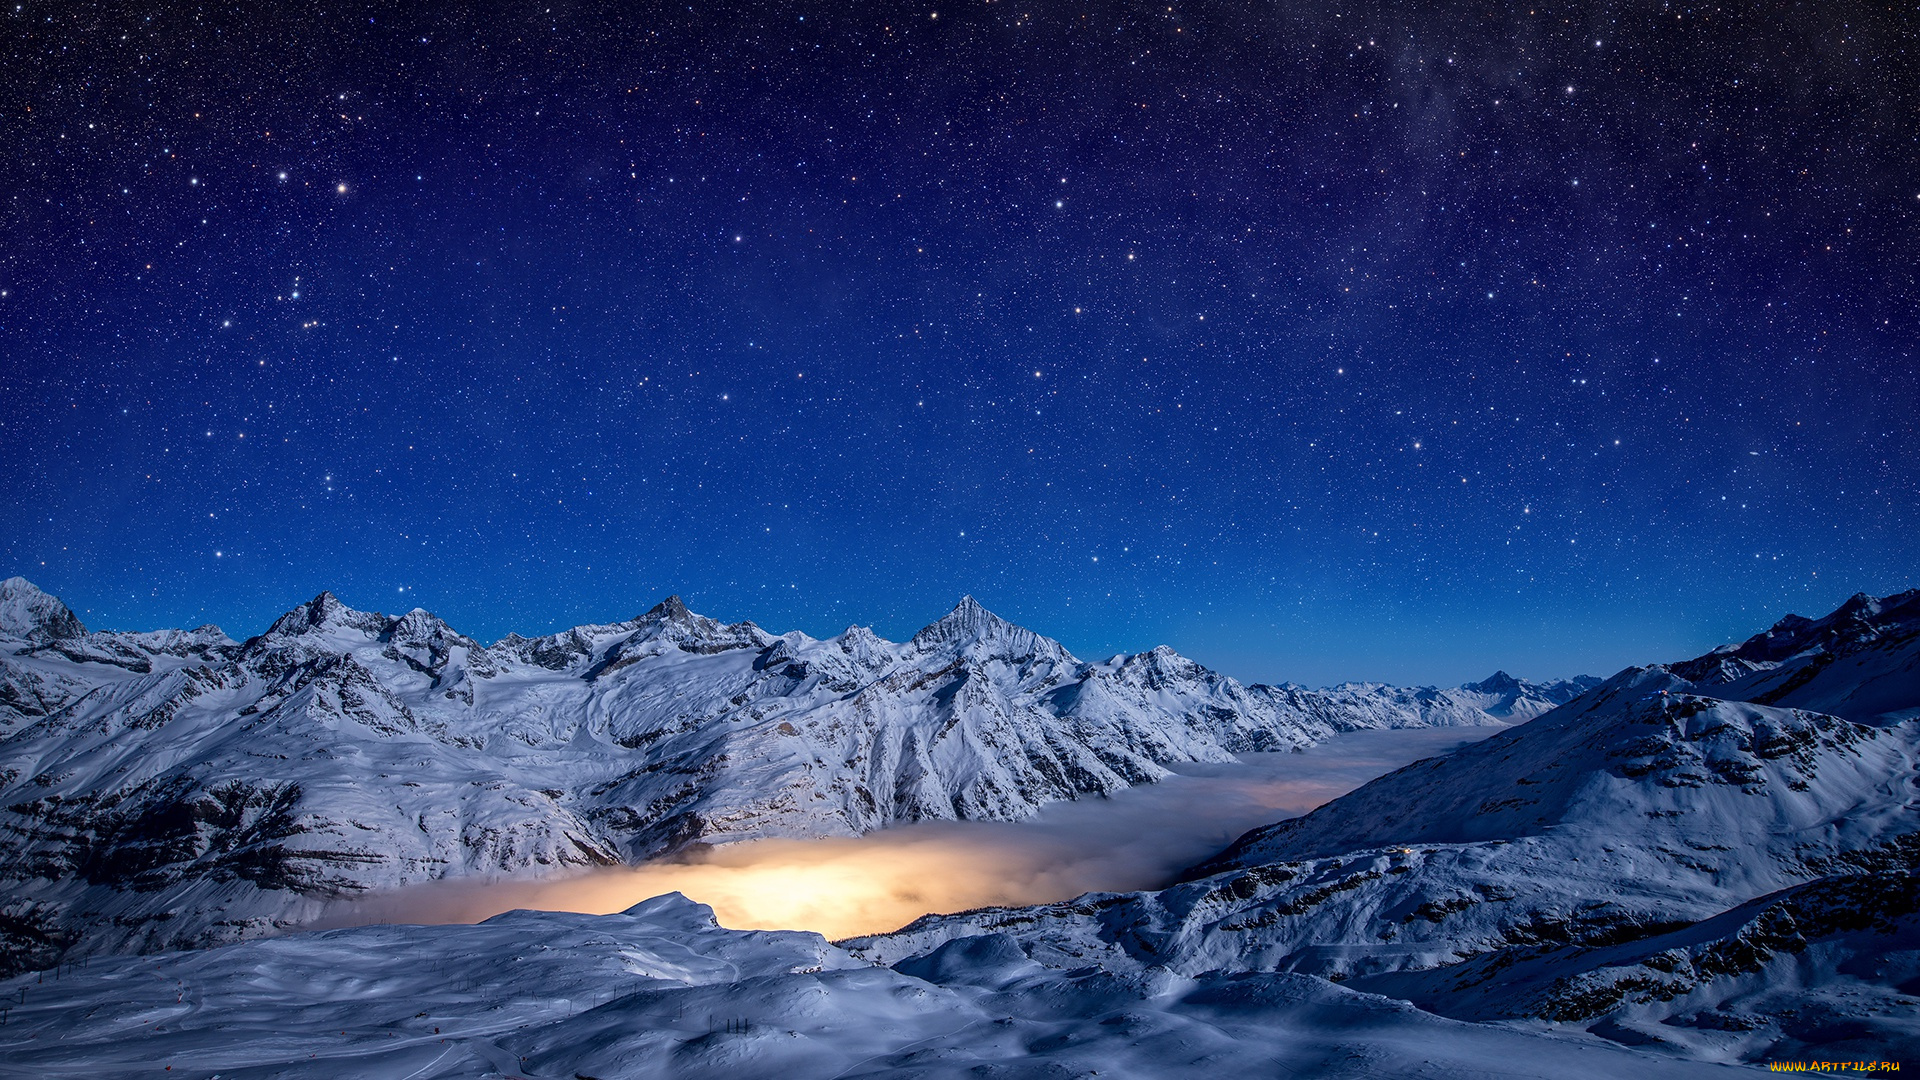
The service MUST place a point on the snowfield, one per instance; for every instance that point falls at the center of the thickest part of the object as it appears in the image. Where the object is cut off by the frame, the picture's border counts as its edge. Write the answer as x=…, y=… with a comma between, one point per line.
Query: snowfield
x=660, y=991
x=1723, y=879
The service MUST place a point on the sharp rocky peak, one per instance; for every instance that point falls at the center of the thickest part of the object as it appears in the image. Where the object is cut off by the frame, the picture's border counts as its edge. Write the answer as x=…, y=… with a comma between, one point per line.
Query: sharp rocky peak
x=326, y=612
x=861, y=642
x=969, y=625
x=968, y=612
x=672, y=609
x=672, y=618
x=1497, y=683
x=1860, y=604
x=671, y=621
x=27, y=612
x=1862, y=618
x=967, y=621
x=421, y=626
x=1161, y=667
x=1860, y=608
x=1165, y=658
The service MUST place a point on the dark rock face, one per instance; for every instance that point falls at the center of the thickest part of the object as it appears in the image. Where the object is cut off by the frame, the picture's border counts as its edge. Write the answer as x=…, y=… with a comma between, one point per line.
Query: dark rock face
x=33, y=616
x=1742, y=942
x=1862, y=622
x=156, y=836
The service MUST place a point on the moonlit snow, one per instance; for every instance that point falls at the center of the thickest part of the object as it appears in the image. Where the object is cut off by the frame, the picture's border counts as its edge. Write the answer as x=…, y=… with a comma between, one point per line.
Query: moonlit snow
x=662, y=992
x=178, y=789
x=1686, y=869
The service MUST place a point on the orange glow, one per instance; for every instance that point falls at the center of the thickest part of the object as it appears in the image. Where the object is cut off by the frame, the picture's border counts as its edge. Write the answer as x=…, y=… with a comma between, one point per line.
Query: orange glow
x=847, y=887
x=837, y=887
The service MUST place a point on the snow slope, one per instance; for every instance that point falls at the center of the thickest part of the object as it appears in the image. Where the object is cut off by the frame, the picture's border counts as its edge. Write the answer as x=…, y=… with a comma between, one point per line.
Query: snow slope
x=1534, y=873
x=660, y=991
x=1823, y=971
x=176, y=788
x=1585, y=825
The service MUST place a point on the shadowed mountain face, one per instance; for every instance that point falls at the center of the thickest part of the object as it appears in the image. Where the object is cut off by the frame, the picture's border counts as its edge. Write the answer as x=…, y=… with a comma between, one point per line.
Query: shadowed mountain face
x=31, y=615
x=1732, y=878
x=1715, y=723
x=1861, y=662
x=180, y=788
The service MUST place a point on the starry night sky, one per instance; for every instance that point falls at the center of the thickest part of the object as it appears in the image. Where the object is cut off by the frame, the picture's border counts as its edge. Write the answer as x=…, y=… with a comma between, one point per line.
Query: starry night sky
x=1320, y=342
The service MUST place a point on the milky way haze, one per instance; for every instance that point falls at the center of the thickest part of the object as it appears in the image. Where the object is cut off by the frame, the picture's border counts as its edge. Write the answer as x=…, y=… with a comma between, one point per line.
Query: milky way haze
x=1318, y=341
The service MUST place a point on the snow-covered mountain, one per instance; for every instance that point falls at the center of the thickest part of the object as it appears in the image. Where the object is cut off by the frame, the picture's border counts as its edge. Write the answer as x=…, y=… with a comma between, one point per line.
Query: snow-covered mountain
x=1360, y=706
x=178, y=788
x=1822, y=971
x=1861, y=662
x=1654, y=864
x=1582, y=826
x=1640, y=856
x=1724, y=721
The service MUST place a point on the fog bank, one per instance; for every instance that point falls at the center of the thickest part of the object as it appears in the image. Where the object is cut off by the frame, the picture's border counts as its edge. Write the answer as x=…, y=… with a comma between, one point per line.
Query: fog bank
x=843, y=887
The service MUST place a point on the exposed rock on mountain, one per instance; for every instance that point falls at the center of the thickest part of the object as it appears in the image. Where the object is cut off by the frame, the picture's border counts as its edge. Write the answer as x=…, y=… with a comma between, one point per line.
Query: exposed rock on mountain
x=1822, y=970
x=1656, y=862
x=1861, y=662
x=33, y=616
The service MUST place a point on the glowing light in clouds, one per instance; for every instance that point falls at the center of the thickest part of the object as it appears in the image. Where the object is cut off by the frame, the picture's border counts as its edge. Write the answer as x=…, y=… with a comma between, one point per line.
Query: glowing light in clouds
x=882, y=881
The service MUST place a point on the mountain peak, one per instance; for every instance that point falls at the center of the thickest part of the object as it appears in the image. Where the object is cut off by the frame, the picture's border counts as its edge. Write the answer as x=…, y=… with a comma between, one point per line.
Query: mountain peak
x=323, y=612
x=1859, y=604
x=27, y=612
x=672, y=609
x=968, y=621
x=672, y=622
x=1497, y=683
x=421, y=626
x=969, y=612
x=861, y=642
x=1861, y=618
x=969, y=624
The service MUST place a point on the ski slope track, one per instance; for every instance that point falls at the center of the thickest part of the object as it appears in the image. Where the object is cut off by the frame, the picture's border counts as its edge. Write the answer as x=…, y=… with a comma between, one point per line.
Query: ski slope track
x=178, y=789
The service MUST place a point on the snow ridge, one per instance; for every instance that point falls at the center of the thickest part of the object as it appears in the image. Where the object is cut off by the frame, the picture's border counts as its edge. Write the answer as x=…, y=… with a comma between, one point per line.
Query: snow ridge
x=28, y=613
x=660, y=990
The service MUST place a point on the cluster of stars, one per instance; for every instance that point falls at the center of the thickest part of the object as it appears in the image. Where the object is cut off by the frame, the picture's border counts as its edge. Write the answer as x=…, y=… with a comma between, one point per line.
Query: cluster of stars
x=574, y=308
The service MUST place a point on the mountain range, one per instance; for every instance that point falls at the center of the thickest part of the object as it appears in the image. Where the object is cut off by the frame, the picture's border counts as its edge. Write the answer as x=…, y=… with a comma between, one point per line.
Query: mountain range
x=1680, y=870
x=177, y=788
